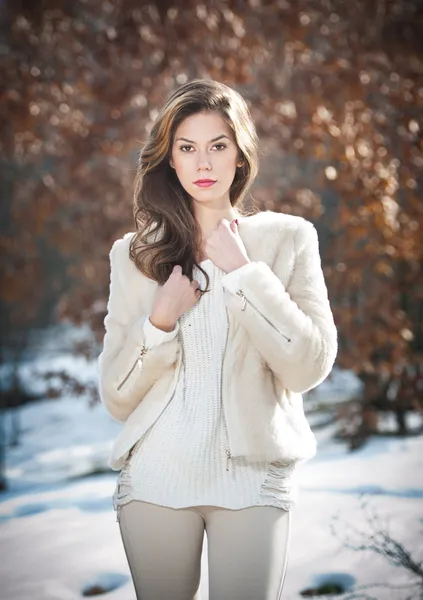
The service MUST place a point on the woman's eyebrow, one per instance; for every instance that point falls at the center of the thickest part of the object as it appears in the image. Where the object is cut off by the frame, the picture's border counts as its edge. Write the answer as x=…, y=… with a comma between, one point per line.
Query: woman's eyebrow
x=219, y=137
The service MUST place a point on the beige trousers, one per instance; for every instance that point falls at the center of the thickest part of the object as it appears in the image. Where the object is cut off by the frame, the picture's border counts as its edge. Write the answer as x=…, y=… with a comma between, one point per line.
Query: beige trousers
x=247, y=551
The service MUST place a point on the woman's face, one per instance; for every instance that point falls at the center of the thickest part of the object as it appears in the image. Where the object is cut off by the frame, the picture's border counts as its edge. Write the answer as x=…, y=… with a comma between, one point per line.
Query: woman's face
x=204, y=148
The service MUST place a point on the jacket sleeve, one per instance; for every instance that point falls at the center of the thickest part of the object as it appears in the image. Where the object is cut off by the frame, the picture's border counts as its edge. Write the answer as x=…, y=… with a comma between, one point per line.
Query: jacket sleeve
x=134, y=354
x=153, y=336
x=293, y=327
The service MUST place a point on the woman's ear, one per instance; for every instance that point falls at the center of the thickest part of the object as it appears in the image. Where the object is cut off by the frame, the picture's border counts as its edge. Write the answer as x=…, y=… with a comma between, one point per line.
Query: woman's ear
x=171, y=163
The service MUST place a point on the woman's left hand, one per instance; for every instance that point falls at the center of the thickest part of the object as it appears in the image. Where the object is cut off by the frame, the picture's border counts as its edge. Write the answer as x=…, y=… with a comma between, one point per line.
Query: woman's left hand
x=225, y=247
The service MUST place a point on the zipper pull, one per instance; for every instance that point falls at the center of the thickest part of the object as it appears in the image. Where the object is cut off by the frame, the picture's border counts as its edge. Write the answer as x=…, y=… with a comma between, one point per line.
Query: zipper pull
x=228, y=458
x=142, y=352
x=241, y=294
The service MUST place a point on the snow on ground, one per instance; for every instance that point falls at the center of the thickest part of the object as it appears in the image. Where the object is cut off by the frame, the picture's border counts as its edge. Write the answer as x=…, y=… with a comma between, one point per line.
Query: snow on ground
x=59, y=534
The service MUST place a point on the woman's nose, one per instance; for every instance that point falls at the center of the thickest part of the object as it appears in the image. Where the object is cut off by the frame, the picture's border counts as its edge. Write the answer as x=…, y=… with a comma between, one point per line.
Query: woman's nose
x=203, y=162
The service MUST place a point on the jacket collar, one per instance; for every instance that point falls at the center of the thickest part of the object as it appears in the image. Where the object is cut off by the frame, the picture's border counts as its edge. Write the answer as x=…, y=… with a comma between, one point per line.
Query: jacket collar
x=254, y=232
x=260, y=234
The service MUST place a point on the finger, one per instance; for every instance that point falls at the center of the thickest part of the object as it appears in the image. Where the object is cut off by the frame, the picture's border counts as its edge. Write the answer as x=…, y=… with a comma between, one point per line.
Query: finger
x=195, y=284
x=177, y=269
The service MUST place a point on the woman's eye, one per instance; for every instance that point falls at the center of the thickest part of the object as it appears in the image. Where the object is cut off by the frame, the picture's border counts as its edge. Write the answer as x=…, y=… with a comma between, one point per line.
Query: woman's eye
x=187, y=148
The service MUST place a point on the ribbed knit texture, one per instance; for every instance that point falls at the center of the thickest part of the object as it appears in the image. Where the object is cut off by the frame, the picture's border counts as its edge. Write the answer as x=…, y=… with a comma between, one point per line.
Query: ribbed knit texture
x=181, y=461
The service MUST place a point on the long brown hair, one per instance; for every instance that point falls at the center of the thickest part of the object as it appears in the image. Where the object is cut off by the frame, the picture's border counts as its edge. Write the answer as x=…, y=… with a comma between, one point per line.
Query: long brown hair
x=167, y=233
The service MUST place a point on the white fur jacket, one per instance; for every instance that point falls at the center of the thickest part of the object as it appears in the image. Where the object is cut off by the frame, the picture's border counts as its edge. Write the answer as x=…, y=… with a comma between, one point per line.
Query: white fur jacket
x=281, y=342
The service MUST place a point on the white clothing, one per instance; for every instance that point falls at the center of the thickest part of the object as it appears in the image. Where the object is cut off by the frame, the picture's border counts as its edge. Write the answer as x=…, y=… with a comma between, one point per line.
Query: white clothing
x=181, y=459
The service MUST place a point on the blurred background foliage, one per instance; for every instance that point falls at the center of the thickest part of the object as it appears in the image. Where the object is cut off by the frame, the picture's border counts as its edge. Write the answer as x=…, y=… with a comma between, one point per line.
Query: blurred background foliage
x=336, y=92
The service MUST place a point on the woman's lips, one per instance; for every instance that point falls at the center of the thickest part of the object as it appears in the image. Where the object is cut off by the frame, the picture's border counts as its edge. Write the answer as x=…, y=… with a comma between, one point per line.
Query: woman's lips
x=205, y=184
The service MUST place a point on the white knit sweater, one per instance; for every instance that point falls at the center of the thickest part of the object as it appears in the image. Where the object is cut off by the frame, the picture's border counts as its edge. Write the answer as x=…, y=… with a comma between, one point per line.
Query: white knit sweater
x=181, y=460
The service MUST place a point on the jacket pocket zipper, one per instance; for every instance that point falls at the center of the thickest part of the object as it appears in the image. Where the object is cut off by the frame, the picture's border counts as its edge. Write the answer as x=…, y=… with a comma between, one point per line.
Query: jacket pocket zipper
x=245, y=299
x=138, y=362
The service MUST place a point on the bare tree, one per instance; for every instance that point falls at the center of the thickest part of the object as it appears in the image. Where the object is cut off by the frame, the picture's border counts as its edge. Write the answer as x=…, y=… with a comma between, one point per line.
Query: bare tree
x=374, y=537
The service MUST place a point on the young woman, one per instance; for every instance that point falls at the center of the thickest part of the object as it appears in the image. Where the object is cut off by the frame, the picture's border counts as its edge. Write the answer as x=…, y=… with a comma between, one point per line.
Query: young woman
x=217, y=322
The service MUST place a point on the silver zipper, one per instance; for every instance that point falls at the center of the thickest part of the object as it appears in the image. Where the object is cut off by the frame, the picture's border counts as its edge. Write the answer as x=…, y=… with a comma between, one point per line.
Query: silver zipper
x=227, y=449
x=138, y=362
x=242, y=295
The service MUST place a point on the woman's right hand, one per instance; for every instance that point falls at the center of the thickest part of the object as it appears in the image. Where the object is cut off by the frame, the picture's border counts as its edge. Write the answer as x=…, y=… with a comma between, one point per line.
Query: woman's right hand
x=177, y=295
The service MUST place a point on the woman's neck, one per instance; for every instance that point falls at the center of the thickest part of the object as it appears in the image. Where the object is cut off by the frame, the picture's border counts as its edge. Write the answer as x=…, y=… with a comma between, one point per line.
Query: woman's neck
x=208, y=221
